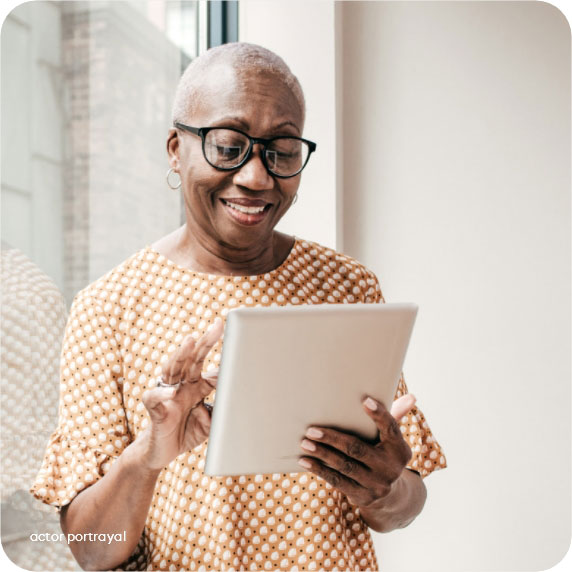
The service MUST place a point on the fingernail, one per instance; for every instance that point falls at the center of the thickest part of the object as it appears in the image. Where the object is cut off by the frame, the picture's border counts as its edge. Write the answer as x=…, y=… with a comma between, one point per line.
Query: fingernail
x=308, y=445
x=314, y=433
x=370, y=404
x=304, y=463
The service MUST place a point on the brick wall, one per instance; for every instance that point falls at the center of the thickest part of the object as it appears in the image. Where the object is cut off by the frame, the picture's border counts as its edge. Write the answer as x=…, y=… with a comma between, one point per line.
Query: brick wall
x=121, y=73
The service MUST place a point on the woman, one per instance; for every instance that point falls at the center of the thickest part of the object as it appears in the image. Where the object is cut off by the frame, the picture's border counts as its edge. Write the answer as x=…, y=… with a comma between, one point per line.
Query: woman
x=142, y=348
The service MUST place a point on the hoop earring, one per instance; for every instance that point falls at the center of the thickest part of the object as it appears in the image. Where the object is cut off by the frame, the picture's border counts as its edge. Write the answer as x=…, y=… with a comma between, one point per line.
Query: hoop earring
x=295, y=199
x=171, y=170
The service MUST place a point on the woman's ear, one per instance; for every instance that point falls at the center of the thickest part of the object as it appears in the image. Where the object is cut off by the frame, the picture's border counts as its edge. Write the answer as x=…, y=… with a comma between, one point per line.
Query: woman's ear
x=173, y=148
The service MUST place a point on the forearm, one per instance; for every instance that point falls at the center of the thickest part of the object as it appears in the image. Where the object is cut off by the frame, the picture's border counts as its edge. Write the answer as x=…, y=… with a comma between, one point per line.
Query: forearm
x=400, y=507
x=117, y=503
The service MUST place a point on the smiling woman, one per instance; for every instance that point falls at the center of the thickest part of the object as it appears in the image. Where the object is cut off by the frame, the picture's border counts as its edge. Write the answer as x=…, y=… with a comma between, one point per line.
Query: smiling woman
x=143, y=343
x=231, y=211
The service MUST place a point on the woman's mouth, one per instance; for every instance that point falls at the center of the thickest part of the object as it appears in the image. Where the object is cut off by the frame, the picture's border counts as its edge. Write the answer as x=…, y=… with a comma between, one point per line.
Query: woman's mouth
x=246, y=211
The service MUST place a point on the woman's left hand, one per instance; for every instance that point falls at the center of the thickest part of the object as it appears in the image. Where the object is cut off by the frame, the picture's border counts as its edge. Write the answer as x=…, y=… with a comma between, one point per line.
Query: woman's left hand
x=363, y=471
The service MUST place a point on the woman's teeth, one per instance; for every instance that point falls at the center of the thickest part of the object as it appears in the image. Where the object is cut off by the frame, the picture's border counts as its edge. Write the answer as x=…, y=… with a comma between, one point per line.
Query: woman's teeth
x=246, y=210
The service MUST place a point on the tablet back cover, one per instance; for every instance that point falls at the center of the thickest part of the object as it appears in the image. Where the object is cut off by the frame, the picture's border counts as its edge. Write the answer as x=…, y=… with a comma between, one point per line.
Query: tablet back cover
x=286, y=368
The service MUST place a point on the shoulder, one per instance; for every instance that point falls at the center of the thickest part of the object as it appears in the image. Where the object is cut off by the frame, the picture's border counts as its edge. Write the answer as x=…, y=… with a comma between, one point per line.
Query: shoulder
x=338, y=271
x=111, y=288
x=333, y=258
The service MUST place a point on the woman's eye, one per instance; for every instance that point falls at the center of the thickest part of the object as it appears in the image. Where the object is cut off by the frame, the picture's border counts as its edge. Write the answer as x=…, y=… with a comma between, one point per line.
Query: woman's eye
x=228, y=152
x=282, y=155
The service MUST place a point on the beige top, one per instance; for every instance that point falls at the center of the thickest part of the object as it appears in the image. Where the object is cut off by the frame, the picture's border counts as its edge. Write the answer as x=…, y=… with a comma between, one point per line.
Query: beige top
x=120, y=330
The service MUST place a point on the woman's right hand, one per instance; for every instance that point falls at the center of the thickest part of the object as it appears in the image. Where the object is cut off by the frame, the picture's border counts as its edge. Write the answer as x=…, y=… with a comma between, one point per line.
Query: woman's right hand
x=179, y=419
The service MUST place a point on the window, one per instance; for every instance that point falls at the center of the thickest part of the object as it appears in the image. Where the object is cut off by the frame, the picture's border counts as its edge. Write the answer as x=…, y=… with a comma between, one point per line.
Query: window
x=87, y=89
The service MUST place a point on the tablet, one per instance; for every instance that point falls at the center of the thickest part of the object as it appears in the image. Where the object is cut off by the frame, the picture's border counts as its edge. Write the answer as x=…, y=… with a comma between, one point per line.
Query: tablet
x=286, y=368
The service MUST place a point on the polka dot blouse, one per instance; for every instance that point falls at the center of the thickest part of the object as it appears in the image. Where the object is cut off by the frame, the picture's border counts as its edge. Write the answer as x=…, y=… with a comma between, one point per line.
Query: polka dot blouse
x=121, y=329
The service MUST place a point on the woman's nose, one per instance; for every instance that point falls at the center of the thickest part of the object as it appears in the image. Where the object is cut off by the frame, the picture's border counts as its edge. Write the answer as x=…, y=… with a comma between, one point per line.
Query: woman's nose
x=253, y=174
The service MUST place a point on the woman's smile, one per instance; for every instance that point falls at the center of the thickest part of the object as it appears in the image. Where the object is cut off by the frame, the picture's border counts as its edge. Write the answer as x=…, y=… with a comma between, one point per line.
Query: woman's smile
x=248, y=212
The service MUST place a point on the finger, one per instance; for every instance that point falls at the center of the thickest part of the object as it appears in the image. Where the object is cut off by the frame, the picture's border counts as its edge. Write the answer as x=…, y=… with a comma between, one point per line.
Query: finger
x=190, y=394
x=213, y=333
x=172, y=371
x=387, y=425
x=217, y=328
x=335, y=459
x=154, y=401
x=396, y=451
x=211, y=375
x=199, y=422
x=197, y=354
x=402, y=406
x=186, y=363
x=349, y=445
x=197, y=427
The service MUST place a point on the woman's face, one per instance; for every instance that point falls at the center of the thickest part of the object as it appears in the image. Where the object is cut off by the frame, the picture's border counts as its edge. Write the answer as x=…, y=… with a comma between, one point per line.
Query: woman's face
x=261, y=105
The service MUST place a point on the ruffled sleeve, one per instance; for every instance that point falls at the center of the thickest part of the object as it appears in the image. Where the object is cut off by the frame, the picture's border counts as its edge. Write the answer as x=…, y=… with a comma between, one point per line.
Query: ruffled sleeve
x=427, y=455
x=92, y=427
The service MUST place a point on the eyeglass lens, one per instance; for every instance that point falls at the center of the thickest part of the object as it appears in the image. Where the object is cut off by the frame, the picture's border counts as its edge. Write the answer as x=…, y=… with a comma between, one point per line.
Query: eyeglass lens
x=226, y=149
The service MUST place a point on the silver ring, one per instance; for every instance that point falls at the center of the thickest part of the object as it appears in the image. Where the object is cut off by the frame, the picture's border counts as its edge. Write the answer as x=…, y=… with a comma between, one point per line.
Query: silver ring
x=161, y=383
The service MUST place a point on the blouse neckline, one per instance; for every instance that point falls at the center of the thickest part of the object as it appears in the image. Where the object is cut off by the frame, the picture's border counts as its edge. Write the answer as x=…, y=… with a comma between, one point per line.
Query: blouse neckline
x=182, y=269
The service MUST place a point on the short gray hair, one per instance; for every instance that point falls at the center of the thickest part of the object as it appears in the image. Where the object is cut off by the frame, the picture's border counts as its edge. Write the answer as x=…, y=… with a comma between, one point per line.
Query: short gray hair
x=240, y=56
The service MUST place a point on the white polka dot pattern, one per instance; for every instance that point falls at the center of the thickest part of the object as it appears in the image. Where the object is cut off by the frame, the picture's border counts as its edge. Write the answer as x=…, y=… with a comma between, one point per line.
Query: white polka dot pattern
x=121, y=329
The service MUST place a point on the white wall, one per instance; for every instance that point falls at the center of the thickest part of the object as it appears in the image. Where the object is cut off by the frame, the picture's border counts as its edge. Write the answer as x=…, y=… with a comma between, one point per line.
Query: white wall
x=462, y=204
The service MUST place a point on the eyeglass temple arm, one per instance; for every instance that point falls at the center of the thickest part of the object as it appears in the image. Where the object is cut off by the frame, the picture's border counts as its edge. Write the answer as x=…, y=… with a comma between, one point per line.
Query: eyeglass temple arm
x=195, y=130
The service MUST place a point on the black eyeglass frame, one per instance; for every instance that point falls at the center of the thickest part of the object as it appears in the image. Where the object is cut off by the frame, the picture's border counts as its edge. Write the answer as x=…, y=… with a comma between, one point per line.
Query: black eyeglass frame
x=202, y=133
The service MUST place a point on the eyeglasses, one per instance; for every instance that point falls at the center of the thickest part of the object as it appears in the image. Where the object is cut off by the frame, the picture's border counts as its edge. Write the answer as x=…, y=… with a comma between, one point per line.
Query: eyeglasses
x=226, y=149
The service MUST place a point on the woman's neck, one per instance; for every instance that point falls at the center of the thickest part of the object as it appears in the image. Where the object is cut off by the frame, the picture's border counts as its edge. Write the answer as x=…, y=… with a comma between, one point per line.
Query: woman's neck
x=185, y=250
